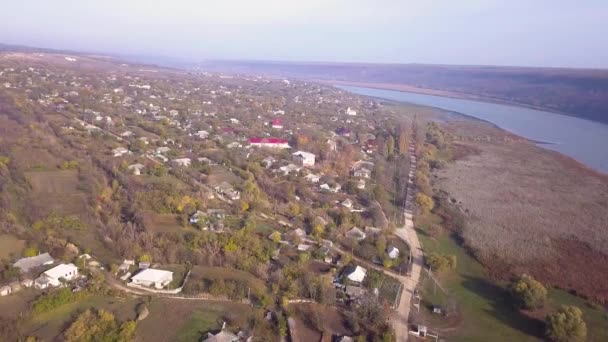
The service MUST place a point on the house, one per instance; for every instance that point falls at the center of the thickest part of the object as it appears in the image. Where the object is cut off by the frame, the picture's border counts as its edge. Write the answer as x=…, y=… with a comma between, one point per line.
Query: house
x=182, y=162
x=356, y=234
x=276, y=124
x=224, y=188
x=162, y=149
x=234, y=121
x=334, y=189
x=304, y=158
x=355, y=273
x=234, y=144
x=202, y=134
x=151, y=277
x=279, y=112
x=269, y=143
x=136, y=168
x=52, y=277
x=27, y=264
x=344, y=339
x=287, y=169
x=268, y=161
x=222, y=336
x=333, y=146
x=119, y=151
x=348, y=203
x=5, y=290
x=27, y=282
x=361, y=184
x=126, y=134
x=311, y=177
x=304, y=247
x=393, y=252
x=343, y=131
x=299, y=232
x=362, y=173
x=197, y=216
x=351, y=112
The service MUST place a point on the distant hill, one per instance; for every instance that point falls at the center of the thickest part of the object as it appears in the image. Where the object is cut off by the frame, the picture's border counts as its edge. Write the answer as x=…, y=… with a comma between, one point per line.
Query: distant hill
x=576, y=92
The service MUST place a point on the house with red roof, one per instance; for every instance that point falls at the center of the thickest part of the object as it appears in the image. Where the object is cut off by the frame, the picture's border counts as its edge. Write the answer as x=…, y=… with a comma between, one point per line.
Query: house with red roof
x=269, y=143
x=277, y=124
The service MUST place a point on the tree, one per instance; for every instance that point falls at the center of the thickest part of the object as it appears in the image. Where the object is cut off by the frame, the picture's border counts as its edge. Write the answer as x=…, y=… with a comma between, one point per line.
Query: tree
x=390, y=146
x=276, y=237
x=30, y=252
x=529, y=293
x=425, y=202
x=566, y=325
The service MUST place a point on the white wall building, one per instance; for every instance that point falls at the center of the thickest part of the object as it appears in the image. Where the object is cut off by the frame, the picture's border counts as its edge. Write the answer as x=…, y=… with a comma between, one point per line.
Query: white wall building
x=153, y=278
x=304, y=158
x=52, y=277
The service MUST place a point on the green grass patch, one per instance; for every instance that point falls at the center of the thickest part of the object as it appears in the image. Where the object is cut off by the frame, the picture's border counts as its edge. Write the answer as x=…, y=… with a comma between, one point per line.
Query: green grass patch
x=484, y=308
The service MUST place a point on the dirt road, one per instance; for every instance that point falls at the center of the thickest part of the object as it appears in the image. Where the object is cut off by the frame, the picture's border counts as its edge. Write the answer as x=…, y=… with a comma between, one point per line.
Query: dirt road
x=408, y=234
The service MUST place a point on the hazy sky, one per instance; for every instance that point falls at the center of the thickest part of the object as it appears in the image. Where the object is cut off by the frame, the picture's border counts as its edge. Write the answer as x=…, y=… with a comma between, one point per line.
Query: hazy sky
x=514, y=32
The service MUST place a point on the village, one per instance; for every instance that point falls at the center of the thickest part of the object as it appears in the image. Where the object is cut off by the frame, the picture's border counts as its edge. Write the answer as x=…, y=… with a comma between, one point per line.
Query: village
x=303, y=187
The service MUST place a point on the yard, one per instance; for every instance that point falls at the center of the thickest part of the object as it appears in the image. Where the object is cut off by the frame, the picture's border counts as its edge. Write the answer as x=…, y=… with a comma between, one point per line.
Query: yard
x=484, y=310
x=10, y=247
x=315, y=320
x=189, y=320
x=56, y=191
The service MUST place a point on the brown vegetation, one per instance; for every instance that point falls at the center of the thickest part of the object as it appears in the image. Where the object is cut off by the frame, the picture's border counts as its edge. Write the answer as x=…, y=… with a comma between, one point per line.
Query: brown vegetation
x=530, y=210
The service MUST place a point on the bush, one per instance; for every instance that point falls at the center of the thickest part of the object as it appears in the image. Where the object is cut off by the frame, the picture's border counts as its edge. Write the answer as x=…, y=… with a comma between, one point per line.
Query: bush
x=56, y=299
x=566, y=325
x=441, y=262
x=529, y=293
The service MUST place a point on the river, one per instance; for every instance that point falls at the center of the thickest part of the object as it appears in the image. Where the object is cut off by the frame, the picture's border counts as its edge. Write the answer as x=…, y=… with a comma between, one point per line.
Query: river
x=581, y=139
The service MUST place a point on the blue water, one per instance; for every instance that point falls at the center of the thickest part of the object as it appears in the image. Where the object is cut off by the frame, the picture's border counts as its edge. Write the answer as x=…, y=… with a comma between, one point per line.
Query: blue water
x=581, y=139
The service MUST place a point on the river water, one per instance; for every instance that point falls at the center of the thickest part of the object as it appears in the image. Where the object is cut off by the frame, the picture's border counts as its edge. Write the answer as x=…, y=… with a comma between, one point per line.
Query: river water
x=581, y=139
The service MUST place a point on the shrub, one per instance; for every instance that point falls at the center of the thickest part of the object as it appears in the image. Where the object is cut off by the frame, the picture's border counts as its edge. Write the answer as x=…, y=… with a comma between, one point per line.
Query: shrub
x=424, y=202
x=441, y=262
x=566, y=325
x=56, y=299
x=529, y=293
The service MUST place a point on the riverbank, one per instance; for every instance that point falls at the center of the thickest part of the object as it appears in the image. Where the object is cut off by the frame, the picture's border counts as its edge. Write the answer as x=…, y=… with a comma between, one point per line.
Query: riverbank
x=438, y=92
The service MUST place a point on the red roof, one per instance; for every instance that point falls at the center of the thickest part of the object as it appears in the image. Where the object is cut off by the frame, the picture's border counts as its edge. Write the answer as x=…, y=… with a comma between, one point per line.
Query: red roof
x=277, y=122
x=267, y=141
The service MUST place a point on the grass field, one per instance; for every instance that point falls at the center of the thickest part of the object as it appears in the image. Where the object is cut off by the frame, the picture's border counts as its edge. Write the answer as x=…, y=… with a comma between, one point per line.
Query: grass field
x=56, y=191
x=484, y=311
x=216, y=273
x=10, y=247
x=161, y=223
x=188, y=320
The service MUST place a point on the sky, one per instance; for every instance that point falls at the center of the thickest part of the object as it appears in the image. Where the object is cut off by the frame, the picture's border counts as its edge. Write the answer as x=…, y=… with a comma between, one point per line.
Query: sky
x=551, y=33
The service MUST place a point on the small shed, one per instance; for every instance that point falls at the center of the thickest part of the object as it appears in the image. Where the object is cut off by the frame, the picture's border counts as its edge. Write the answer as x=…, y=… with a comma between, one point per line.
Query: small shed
x=5, y=291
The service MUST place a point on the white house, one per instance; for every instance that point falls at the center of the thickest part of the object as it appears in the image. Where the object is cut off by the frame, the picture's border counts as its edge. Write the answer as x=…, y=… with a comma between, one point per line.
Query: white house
x=348, y=203
x=361, y=184
x=202, y=134
x=304, y=158
x=153, y=278
x=351, y=112
x=311, y=177
x=356, y=234
x=356, y=274
x=362, y=172
x=182, y=162
x=136, y=168
x=327, y=187
x=51, y=278
x=393, y=252
x=287, y=169
x=234, y=144
x=119, y=151
x=5, y=291
x=269, y=143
